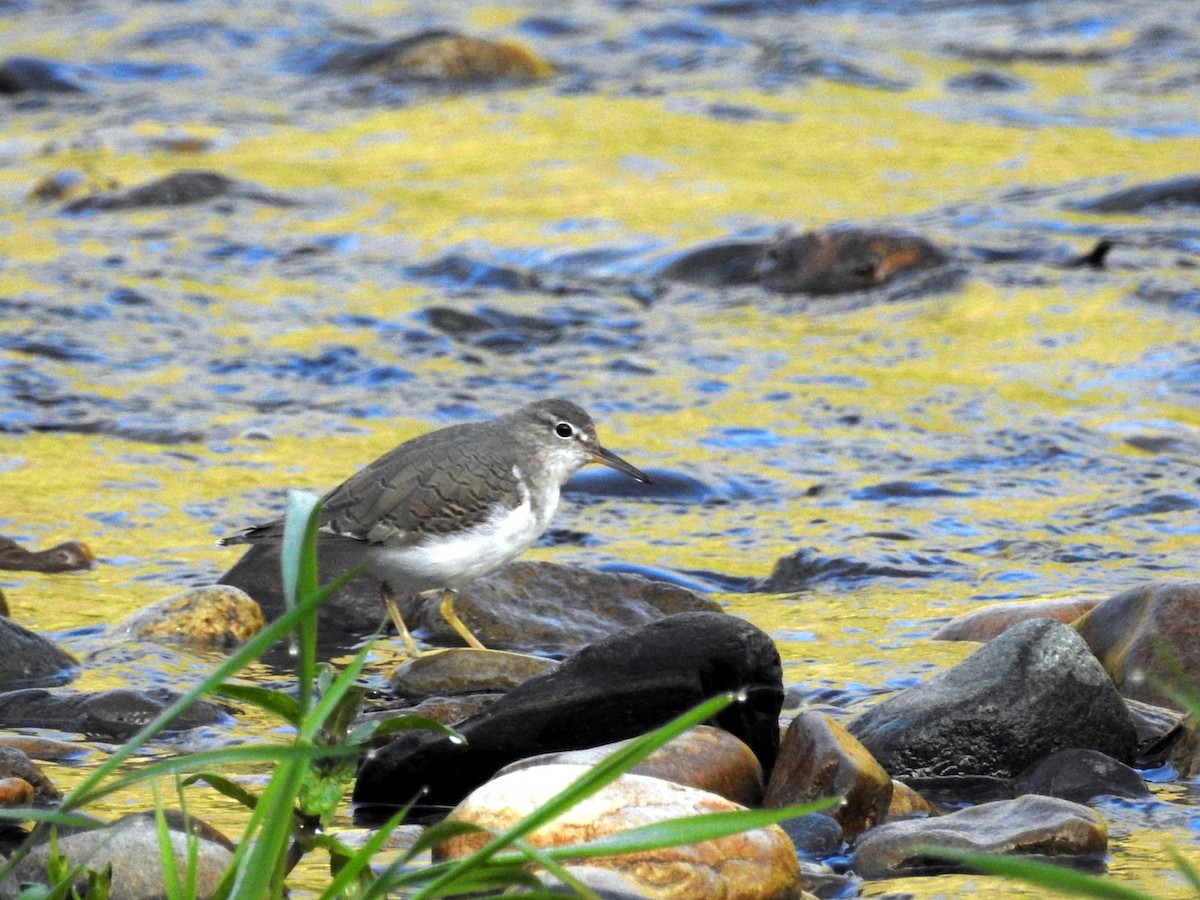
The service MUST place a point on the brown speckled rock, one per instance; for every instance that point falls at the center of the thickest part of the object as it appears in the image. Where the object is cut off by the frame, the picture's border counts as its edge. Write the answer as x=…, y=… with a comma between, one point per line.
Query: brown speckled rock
x=755, y=865
x=216, y=616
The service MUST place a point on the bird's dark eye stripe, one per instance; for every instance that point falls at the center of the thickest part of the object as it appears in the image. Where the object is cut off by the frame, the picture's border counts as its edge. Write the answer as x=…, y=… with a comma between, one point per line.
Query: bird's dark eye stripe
x=564, y=429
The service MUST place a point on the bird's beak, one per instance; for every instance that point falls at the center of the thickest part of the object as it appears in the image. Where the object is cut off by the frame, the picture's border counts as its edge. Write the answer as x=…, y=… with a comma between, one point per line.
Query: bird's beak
x=610, y=459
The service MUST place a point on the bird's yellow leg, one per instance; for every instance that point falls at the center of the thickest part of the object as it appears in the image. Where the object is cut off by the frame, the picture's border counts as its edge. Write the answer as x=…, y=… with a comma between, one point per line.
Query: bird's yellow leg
x=446, y=608
x=389, y=600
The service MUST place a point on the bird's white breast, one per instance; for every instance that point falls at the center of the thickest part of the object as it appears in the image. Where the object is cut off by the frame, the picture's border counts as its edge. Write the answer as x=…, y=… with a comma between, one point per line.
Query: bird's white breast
x=452, y=560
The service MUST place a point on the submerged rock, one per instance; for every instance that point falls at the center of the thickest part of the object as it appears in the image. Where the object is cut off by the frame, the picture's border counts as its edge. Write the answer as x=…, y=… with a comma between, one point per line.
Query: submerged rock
x=69, y=556
x=1031, y=691
x=755, y=865
x=217, y=616
x=439, y=55
x=831, y=262
x=30, y=74
x=1030, y=825
x=115, y=714
x=984, y=624
x=28, y=659
x=620, y=687
x=178, y=189
x=1182, y=191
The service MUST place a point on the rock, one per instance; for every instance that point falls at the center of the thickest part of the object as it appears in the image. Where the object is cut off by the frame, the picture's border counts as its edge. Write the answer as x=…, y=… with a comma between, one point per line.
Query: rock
x=1184, y=755
x=25, y=74
x=907, y=803
x=1131, y=632
x=464, y=670
x=816, y=835
x=1181, y=191
x=1030, y=825
x=178, y=189
x=130, y=845
x=16, y=766
x=1079, y=775
x=444, y=710
x=623, y=686
x=45, y=748
x=984, y=624
x=817, y=759
x=523, y=607
x=1033, y=690
x=818, y=263
x=708, y=759
x=759, y=864
x=552, y=609
x=69, y=556
x=115, y=714
x=439, y=55
x=28, y=659
x=218, y=616
x=15, y=792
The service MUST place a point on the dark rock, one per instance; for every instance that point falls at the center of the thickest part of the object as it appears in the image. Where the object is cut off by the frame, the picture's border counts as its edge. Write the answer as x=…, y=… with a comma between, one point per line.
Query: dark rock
x=1145, y=636
x=1029, y=825
x=178, y=189
x=69, y=556
x=28, y=659
x=552, y=609
x=115, y=714
x=815, y=836
x=23, y=74
x=618, y=688
x=815, y=263
x=1079, y=775
x=1032, y=690
x=1182, y=191
x=800, y=570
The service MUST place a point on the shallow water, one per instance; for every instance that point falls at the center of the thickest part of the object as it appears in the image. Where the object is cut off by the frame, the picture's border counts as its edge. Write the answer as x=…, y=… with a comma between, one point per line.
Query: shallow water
x=166, y=373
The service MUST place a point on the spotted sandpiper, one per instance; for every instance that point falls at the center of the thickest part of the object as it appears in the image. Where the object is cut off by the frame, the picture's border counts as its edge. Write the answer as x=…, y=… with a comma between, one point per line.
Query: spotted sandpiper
x=446, y=507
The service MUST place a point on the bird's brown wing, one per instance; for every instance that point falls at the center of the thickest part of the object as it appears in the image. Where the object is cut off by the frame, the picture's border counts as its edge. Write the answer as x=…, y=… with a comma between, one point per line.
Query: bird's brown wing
x=402, y=498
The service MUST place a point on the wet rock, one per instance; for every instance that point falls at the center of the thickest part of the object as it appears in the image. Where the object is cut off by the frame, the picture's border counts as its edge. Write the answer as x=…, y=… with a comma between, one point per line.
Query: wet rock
x=69, y=556
x=759, y=864
x=1033, y=690
x=29, y=74
x=131, y=846
x=28, y=659
x=818, y=758
x=15, y=766
x=1182, y=191
x=37, y=747
x=1030, y=825
x=116, y=714
x=1143, y=634
x=816, y=263
x=985, y=81
x=439, y=56
x=984, y=624
x=218, y=616
x=1184, y=755
x=801, y=569
x=443, y=710
x=58, y=186
x=706, y=758
x=618, y=688
x=178, y=189
x=462, y=670
x=549, y=608
x=816, y=835
x=907, y=803
x=1079, y=775
x=15, y=792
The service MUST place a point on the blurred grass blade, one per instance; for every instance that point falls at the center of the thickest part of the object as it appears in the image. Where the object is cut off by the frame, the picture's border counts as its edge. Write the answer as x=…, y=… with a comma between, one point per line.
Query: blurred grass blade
x=275, y=702
x=1053, y=877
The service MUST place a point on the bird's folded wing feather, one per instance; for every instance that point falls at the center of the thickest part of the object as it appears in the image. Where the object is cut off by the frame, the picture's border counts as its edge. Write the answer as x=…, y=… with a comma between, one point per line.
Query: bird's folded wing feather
x=402, y=499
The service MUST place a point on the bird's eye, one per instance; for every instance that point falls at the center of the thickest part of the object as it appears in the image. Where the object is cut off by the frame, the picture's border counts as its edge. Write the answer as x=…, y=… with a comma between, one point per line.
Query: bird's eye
x=564, y=430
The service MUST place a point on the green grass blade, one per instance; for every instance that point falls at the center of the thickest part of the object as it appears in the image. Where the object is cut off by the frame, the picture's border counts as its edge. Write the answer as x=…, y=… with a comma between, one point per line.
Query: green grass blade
x=298, y=562
x=1190, y=873
x=275, y=702
x=1053, y=877
x=592, y=781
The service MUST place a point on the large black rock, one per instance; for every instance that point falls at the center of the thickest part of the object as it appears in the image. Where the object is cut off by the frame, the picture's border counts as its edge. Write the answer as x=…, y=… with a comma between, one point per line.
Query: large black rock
x=1033, y=690
x=617, y=688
